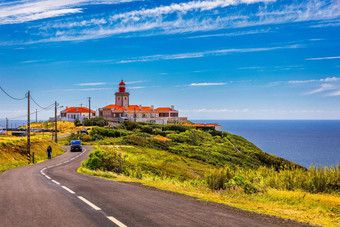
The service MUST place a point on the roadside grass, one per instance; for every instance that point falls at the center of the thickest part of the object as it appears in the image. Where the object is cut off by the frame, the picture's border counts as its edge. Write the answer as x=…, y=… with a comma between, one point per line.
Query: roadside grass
x=63, y=126
x=12, y=152
x=173, y=172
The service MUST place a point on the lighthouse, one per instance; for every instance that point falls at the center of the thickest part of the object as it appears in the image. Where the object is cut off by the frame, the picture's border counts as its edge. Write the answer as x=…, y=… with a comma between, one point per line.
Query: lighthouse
x=122, y=97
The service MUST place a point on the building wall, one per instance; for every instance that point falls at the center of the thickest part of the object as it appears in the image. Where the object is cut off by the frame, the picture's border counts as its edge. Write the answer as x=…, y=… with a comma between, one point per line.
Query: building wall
x=122, y=98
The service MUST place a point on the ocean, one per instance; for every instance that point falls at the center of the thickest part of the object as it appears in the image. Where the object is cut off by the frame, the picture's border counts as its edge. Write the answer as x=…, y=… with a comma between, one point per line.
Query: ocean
x=12, y=123
x=305, y=142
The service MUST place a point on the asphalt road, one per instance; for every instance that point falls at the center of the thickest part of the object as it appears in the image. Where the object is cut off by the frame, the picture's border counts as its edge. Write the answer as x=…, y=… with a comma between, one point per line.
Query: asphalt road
x=52, y=193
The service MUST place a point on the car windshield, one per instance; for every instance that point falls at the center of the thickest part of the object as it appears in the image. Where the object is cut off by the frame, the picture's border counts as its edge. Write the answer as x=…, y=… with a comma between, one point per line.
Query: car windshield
x=75, y=142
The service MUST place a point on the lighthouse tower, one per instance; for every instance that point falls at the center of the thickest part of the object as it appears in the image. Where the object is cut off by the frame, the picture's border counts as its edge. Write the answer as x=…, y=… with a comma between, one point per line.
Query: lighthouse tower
x=122, y=97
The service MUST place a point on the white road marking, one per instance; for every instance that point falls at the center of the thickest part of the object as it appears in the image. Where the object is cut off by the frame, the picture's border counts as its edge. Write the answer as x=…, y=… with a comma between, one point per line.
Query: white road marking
x=67, y=189
x=116, y=221
x=56, y=182
x=89, y=203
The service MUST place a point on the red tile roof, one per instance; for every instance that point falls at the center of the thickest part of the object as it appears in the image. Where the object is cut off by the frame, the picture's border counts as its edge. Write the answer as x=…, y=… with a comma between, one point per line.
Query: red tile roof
x=202, y=125
x=146, y=108
x=78, y=110
x=111, y=107
x=136, y=108
x=163, y=109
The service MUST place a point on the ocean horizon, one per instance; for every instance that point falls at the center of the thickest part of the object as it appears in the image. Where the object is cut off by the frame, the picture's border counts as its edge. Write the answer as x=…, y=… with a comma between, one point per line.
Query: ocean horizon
x=305, y=142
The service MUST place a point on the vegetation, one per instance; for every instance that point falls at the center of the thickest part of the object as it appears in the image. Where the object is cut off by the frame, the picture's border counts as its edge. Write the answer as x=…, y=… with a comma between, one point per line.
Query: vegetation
x=95, y=121
x=222, y=168
x=12, y=154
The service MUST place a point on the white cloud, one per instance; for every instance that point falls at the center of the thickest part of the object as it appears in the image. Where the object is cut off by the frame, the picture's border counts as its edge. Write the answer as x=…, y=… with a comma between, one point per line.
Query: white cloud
x=174, y=18
x=32, y=61
x=251, y=32
x=327, y=79
x=91, y=84
x=336, y=93
x=184, y=8
x=23, y=11
x=135, y=82
x=83, y=89
x=323, y=58
x=204, y=110
x=204, y=54
x=206, y=84
x=324, y=87
x=136, y=87
x=334, y=23
x=187, y=17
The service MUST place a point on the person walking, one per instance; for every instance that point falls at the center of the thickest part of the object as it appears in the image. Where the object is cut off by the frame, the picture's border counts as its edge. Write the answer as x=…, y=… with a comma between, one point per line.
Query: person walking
x=49, y=152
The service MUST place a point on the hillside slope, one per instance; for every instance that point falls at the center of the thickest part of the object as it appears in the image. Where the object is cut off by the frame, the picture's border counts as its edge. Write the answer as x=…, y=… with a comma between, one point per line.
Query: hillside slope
x=12, y=153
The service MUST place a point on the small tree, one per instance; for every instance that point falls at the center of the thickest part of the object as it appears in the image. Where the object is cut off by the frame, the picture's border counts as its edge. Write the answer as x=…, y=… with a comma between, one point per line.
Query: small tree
x=77, y=122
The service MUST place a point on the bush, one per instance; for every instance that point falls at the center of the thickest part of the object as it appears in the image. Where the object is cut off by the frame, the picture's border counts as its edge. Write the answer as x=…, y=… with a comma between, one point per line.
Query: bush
x=77, y=122
x=217, y=179
x=240, y=181
x=130, y=125
x=192, y=137
x=146, y=142
x=96, y=137
x=108, y=132
x=96, y=121
x=106, y=160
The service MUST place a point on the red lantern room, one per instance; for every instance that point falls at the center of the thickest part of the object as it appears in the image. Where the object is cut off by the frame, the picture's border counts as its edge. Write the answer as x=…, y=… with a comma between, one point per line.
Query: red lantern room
x=122, y=86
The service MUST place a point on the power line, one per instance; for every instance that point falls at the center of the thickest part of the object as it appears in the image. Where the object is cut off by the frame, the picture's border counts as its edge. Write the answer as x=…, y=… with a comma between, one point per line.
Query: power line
x=12, y=96
x=39, y=105
x=43, y=109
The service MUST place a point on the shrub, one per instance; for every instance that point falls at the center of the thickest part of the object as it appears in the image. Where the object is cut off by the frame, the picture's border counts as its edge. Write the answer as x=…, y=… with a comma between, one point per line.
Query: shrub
x=129, y=125
x=192, y=137
x=241, y=181
x=216, y=179
x=96, y=121
x=108, y=132
x=97, y=137
x=107, y=160
x=144, y=141
x=77, y=122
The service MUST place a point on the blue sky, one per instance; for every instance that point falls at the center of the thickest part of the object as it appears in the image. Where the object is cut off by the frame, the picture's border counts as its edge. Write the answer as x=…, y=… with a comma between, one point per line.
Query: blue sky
x=222, y=59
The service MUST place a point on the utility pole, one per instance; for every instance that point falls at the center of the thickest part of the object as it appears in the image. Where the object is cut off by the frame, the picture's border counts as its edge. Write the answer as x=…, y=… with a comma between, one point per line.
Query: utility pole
x=134, y=113
x=89, y=108
x=36, y=115
x=6, y=124
x=55, y=120
x=28, y=127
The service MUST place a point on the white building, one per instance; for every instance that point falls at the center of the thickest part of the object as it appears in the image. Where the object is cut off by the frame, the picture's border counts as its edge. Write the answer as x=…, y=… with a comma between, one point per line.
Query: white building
x=72, y=113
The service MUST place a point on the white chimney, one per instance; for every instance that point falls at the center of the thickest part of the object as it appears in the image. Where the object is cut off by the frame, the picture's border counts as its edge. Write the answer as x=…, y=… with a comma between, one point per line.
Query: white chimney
x=152, y=107
x=172, y=107
x=77, y=109
x=140, y=107
x=66, y=107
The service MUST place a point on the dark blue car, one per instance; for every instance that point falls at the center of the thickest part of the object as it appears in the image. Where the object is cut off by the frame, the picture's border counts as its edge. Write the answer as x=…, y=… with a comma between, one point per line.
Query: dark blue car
x=76, y=145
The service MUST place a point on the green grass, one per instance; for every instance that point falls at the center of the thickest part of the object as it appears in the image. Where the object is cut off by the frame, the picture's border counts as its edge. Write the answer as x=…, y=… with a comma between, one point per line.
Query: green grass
x=12, y=153
x=174, y=172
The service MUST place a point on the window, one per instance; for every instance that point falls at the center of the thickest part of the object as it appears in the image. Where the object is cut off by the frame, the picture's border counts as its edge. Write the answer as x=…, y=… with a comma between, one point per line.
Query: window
x=163, y=114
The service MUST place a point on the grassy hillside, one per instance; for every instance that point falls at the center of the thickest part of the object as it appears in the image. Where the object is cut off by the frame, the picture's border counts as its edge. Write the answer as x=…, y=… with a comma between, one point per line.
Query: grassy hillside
x=12, y=152
x=223, y=168
x=63, y=126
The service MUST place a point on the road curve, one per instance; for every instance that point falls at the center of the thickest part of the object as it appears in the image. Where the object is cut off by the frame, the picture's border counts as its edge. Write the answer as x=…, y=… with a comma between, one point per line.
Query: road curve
x=52, y=193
